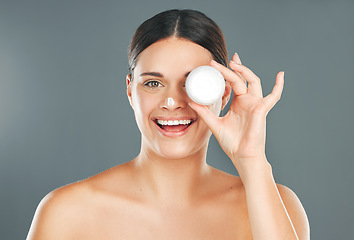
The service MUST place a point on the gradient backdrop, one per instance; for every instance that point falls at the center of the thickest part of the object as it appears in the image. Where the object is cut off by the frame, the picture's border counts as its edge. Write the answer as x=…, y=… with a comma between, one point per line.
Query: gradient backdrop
x=64, y=114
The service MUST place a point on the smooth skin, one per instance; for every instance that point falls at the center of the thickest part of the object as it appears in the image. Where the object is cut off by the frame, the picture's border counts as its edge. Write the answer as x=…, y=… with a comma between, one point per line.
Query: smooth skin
x=169, y=191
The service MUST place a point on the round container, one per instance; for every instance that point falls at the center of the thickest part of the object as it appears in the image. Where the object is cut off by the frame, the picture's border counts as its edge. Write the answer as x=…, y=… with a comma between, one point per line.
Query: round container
x=205, y=85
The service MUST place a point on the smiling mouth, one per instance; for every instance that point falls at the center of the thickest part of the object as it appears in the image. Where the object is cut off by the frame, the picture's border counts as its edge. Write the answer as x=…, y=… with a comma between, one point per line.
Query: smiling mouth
x=174, y=125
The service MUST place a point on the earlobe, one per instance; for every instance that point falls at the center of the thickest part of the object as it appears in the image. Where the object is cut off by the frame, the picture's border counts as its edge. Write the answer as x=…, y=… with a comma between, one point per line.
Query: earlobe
x=129, y=91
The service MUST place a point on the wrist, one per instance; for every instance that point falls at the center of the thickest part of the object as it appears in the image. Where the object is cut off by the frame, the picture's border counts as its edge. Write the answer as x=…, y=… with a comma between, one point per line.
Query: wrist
x=253, y=169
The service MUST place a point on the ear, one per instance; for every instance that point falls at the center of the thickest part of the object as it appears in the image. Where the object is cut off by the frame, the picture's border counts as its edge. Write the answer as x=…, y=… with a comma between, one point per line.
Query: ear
x=129, y=91
x=226, y=96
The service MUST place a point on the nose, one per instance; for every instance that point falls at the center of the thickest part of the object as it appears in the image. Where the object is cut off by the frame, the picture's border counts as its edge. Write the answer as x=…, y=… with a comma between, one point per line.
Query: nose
x=170, y=102
x=174, y=100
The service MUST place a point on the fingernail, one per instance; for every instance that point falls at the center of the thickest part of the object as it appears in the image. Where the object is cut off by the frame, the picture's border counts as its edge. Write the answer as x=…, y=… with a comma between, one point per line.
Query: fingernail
x=238, y=58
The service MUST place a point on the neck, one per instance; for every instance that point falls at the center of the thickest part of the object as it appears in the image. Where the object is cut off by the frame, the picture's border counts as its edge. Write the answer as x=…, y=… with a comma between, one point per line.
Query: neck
x=171, y=181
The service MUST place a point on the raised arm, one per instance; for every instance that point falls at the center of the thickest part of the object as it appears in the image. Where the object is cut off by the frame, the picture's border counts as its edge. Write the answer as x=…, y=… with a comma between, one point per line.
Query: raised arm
x=274, y=210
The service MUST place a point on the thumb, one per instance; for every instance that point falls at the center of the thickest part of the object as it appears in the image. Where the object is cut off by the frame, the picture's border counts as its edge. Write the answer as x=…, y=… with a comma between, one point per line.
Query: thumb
x=208, y=117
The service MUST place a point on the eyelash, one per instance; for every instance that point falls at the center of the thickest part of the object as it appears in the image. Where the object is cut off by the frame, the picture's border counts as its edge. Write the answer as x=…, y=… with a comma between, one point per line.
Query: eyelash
x=148, y=84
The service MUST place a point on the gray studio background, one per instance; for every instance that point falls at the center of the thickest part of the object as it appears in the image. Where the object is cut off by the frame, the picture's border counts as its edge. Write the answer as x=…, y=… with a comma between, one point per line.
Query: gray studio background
x=64, y=114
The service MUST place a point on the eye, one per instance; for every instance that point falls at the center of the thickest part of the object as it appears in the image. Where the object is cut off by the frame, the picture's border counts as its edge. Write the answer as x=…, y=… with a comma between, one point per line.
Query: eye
x=153, y=84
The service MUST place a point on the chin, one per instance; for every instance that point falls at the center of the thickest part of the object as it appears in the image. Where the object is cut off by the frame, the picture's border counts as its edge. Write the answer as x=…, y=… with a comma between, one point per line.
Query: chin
x=178, y=150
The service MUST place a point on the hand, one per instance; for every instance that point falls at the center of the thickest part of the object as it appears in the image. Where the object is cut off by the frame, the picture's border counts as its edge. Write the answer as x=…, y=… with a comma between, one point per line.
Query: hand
x=241, y=132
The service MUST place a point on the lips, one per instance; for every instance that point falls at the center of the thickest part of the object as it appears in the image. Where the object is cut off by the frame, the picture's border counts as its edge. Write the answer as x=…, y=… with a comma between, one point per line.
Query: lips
x=174, y=127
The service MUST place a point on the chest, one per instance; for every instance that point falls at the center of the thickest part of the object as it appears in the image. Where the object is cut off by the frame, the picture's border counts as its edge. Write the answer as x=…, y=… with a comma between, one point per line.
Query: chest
x=141, y=222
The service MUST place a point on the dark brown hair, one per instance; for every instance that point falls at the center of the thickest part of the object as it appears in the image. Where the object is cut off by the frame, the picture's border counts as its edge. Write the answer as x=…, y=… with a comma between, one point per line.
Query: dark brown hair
x=188, y=24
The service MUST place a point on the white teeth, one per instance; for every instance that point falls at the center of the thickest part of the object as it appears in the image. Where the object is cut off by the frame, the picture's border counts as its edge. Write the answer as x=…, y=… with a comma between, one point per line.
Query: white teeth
x=174, y=122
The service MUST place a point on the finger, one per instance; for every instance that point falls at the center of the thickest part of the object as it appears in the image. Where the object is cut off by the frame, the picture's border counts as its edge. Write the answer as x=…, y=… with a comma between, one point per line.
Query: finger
x=275, y=95
x=235, y=81
x=210, y=119
x=236, y=59
x=254, y=82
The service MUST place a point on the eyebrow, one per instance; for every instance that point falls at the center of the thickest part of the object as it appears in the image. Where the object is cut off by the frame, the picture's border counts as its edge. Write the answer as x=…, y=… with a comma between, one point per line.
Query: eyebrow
x=157, y=74
x=154, y=74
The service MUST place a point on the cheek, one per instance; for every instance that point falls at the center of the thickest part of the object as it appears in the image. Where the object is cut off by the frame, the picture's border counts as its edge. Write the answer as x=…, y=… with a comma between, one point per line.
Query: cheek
x=144, y=103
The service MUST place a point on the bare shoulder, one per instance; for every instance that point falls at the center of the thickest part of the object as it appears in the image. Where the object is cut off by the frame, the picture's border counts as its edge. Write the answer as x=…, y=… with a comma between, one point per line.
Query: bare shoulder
x=57, y=212
x=296, y=211
x=235, y=194
x=62, y=212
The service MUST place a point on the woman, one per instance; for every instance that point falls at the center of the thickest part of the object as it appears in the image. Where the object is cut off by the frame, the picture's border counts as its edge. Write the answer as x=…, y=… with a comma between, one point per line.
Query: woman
x=169, y=191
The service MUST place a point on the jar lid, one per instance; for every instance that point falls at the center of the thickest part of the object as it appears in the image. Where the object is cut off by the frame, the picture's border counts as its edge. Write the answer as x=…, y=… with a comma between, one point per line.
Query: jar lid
x=205, y=85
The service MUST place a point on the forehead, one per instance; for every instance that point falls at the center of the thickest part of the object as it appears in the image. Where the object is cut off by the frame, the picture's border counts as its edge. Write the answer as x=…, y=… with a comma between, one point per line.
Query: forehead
x=173, y=53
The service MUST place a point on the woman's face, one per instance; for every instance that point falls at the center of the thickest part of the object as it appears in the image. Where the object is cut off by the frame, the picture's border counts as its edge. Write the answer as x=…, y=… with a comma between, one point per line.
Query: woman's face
x=158, y=97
